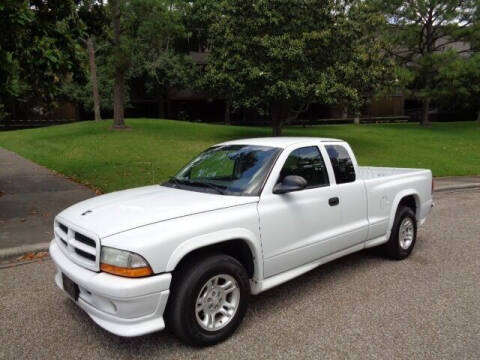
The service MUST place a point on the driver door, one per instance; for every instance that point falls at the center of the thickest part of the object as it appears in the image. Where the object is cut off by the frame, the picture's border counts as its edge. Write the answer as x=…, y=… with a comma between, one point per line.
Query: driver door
x=295, y=227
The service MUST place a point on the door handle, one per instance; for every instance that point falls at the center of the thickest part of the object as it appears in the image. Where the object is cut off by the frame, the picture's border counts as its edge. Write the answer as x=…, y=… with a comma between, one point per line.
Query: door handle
x=333, y=201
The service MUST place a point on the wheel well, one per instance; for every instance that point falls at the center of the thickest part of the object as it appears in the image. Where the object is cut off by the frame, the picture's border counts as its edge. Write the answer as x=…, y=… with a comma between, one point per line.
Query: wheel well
x=237, y=249
x=409, y=201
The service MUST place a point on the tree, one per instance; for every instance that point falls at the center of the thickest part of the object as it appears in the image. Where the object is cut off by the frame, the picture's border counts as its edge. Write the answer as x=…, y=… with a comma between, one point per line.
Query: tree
x=425, y=34
x=15, y=16
x=80, y=90
x=120, y=65
x=156, y=28
x=282, y=55
x=39, y=53
x=94, y=81
x=198, y=18
x=93, y=15
x=461, y=82
x=143, y=36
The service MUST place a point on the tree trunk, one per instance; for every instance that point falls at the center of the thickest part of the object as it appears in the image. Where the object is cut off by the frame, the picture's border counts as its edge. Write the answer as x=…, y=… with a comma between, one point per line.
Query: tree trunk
x=118, y=112
x=356, y=119
x=425, y=116
x=276, y=127
x=278, y=112
x=118, y=97
x=93, y=74
x=227, y=112
x=478, y=115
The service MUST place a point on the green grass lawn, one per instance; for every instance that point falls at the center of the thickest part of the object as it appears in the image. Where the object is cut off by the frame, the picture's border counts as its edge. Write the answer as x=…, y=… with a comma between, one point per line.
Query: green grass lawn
x=155, y=149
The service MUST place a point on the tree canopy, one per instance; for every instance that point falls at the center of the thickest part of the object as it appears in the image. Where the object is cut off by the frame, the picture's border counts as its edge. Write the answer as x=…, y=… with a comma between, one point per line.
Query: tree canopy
x=426, y=37
x=283, y=55
x=38, y=50
x=276, y=57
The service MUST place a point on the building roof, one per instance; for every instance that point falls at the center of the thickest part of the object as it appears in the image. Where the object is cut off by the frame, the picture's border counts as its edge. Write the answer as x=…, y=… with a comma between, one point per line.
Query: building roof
x=279, y=142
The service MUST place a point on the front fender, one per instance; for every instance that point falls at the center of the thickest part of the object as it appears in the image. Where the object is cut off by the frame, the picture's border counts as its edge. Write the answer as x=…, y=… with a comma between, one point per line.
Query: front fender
x=165, y=243
x=217, y=237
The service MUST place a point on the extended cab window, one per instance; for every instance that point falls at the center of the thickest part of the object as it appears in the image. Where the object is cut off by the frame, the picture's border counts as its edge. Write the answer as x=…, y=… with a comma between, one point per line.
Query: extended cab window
x=308, y=163
x=341, y=163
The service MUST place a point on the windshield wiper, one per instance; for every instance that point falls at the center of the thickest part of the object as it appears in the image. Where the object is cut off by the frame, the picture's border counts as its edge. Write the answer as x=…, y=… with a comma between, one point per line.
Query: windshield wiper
x=175, y=180
x=217, y=188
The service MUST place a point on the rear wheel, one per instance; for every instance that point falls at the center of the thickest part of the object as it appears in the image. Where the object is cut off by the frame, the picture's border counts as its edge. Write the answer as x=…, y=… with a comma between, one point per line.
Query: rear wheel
x=209, y=299
x=403, y=235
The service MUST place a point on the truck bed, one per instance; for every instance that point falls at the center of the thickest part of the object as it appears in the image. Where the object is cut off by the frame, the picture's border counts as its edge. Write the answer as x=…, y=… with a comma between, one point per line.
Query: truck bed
x=372, y=172
x=385, y=186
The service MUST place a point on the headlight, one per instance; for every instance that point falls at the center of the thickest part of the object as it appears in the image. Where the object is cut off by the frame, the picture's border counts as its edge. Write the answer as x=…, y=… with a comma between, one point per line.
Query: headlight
x=123, y=263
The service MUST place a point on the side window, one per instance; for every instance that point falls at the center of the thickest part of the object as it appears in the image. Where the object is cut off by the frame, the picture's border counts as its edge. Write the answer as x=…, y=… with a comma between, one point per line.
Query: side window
x=308, y=163
x=341, y=163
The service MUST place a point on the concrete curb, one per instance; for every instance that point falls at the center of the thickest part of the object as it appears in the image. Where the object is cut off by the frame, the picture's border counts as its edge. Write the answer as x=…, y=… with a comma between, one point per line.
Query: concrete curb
x=20, y=250
x=458, y=187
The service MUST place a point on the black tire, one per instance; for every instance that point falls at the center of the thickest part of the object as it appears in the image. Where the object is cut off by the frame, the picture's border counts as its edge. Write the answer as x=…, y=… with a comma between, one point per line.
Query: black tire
x=188, y=281
x=392, y=248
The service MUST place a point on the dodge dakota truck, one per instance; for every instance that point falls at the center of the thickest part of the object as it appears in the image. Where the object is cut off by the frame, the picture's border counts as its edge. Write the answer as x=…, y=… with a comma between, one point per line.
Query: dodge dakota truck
x=239, y=219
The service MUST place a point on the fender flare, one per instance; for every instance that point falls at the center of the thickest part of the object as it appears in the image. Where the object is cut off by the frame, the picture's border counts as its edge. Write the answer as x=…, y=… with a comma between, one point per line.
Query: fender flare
x=217, y=237
x=396, y=202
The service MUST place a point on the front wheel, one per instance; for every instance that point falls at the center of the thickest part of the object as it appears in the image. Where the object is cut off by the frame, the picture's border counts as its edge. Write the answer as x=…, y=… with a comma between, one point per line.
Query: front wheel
x=209, y=299
x=403, y=236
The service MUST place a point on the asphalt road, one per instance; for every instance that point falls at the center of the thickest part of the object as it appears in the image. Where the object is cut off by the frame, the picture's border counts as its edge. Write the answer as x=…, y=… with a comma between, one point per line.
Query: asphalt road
x=361, y=306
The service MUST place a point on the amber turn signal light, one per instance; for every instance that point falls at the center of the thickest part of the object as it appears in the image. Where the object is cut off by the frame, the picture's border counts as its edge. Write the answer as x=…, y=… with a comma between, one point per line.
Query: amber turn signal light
x=126, y=272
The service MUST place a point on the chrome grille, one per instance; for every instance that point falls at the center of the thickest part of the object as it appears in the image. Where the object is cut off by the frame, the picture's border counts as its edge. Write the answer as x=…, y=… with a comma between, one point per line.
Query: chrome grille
x=80, y=247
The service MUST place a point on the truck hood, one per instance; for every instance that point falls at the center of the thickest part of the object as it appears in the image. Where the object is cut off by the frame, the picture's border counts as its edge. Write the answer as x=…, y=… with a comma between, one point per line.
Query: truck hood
x=119, y=211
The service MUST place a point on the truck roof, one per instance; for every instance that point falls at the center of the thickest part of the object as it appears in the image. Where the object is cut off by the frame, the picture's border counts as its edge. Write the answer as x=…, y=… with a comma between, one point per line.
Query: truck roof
x=279, y=142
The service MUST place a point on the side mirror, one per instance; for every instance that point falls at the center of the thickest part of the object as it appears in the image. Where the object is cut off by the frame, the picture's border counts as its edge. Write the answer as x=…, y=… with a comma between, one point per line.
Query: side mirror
x=290, y=183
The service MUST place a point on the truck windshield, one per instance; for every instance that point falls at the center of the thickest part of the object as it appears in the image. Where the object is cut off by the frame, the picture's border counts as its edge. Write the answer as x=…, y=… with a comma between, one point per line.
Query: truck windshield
x=227, y=170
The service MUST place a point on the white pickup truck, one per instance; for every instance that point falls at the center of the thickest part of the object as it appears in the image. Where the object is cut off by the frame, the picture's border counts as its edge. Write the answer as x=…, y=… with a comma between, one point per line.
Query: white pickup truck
x=239, y=219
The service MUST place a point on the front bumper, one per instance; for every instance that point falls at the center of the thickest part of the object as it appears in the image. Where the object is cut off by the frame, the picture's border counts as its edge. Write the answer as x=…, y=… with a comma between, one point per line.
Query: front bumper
x=122, y=306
